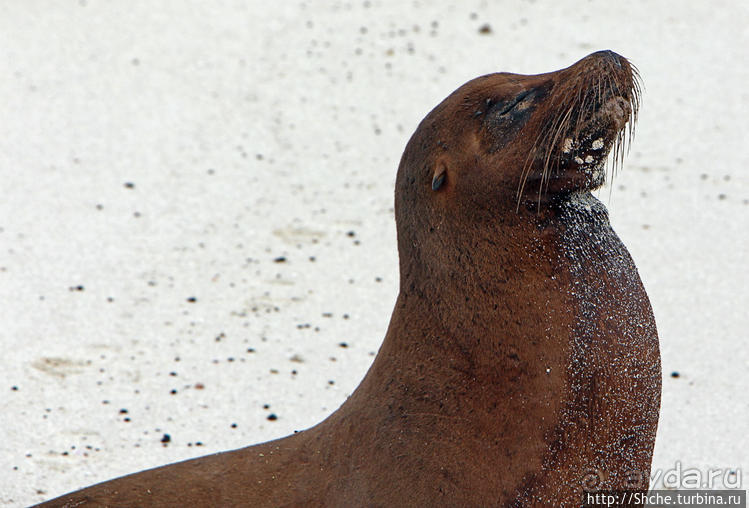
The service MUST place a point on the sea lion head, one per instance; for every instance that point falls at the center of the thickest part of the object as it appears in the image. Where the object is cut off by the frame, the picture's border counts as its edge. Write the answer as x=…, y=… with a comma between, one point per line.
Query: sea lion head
x=503, y=139
x=498, y=153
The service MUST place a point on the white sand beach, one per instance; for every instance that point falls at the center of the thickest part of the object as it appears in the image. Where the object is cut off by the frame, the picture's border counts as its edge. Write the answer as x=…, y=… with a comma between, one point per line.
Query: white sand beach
x=197, y=242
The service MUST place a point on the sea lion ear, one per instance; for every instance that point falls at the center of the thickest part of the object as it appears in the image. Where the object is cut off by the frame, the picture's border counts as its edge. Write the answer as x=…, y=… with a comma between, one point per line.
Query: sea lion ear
x=440, y=174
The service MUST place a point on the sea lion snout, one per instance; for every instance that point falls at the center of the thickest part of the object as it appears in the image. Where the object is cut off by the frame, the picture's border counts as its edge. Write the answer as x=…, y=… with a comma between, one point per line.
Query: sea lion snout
x=591, y=115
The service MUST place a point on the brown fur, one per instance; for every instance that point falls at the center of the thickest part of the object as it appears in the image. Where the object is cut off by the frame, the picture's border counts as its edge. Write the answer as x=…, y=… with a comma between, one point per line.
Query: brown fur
x=521, y=364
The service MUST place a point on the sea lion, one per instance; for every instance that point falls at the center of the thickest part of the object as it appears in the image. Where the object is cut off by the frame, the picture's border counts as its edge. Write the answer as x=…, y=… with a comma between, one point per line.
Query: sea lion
x=521, y=364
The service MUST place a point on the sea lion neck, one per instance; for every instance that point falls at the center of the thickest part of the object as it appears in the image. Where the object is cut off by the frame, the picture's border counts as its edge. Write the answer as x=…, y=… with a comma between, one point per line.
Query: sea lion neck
x=466, y=278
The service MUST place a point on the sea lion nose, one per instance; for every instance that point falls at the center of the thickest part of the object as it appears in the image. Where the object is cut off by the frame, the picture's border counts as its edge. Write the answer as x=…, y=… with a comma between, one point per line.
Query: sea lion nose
x=610, y=56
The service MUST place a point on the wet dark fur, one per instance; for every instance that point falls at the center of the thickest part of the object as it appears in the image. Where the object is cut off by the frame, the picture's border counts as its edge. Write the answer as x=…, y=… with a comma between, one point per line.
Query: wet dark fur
x=521, y=364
